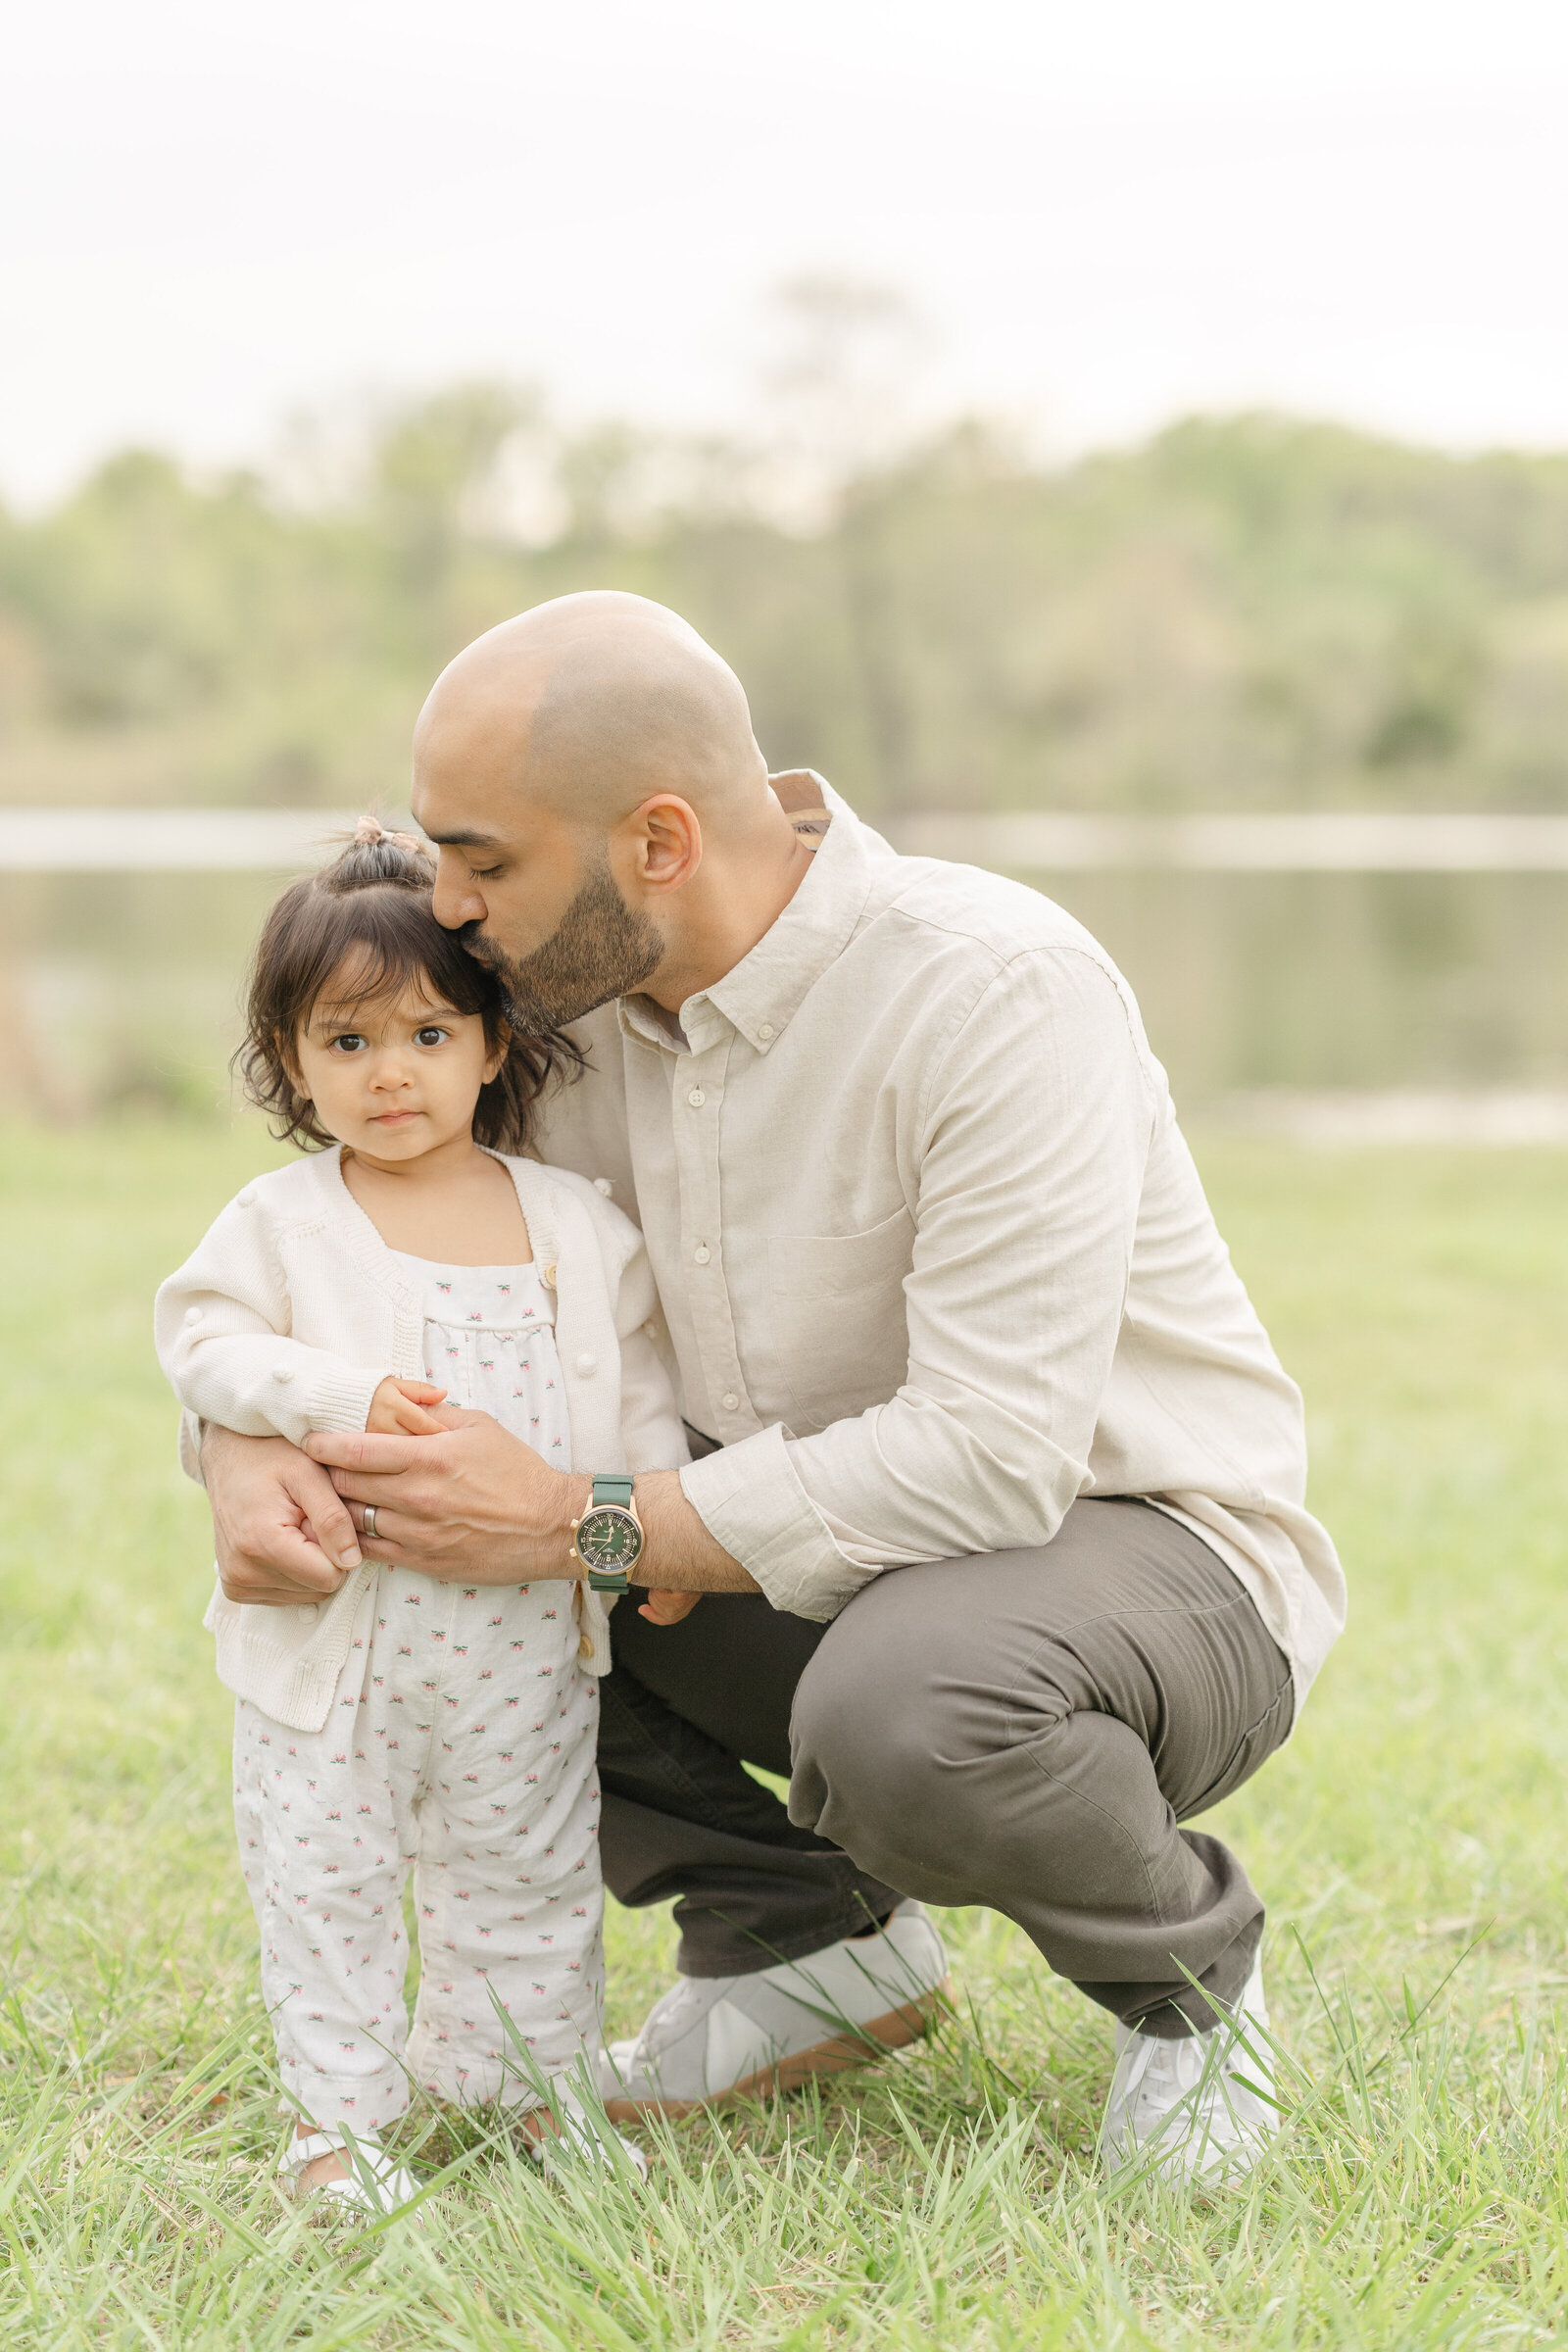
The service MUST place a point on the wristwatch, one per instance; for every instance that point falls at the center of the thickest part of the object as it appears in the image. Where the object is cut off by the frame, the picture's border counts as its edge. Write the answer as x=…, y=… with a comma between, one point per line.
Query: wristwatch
x=607, y=1539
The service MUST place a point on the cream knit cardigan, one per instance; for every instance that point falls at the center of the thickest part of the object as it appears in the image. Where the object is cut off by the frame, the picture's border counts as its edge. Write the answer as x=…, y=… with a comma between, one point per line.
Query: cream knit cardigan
x=293, y=1310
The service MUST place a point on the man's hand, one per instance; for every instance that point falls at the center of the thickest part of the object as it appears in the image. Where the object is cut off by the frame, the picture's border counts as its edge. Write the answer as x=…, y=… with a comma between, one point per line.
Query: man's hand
x=281, y=1532
x=667, y=1608
x=472, y=1506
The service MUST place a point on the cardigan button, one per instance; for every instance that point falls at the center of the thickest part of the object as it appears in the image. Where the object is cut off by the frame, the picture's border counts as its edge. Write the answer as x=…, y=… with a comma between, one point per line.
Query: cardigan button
x=602, y=1183
x=305, y=1612
x=245, y=1198
x=587, y=1366
x=193, y=1314
x=284, y=1373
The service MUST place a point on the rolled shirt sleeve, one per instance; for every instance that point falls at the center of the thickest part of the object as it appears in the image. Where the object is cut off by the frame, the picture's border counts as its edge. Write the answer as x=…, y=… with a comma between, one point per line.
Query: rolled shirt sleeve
x=1029, y=1154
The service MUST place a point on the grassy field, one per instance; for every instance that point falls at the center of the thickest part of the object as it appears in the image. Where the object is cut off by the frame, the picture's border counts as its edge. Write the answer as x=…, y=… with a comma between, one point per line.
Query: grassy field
x=1411, y=1843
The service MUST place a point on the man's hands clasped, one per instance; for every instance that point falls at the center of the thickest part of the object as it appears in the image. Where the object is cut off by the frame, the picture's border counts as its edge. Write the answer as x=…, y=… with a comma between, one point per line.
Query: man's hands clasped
x=458, y=1499
x=414, y=1490
x=466, y=1503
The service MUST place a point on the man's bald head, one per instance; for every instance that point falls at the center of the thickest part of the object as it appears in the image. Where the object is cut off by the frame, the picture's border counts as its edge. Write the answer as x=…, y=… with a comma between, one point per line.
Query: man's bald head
x=590, y=705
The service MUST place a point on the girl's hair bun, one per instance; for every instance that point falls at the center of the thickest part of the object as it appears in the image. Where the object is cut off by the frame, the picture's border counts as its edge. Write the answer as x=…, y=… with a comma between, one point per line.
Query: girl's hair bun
x=371, y=855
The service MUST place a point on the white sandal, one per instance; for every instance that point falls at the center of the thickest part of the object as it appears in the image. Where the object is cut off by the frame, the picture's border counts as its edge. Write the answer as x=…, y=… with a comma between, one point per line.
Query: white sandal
x=377, y=2183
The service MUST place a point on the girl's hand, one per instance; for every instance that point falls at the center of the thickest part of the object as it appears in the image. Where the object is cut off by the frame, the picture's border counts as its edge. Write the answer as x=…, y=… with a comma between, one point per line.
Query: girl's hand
x=398, y=1410
x=667, y=1608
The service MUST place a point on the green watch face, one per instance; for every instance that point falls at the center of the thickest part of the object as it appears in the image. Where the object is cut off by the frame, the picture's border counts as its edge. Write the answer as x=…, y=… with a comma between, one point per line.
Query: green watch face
x=607, y=1538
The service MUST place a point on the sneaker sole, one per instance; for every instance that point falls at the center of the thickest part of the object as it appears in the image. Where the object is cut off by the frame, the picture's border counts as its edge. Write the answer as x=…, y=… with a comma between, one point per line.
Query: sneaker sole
x=894, y=2029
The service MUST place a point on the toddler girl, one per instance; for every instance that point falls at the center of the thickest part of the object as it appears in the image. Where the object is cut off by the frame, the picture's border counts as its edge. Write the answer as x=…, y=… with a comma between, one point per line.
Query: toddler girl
x=411, y=1258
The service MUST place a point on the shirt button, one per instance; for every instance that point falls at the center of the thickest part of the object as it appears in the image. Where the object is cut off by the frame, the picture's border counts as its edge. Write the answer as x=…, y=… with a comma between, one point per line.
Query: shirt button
x=587, y=1366
x=731, y=1403
x=702, y=1254
x=697, y=1098
x=764, y=1029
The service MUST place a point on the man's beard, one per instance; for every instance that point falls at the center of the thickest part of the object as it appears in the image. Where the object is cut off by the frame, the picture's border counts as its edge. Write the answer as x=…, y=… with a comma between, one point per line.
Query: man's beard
x=600, y=948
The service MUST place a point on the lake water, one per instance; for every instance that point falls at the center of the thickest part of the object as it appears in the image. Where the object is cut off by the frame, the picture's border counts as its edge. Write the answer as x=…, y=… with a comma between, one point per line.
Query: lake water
x=125, y=989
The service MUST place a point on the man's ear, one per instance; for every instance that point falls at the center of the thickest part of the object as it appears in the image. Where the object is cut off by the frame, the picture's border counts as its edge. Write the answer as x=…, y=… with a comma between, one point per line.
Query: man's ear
x=665, y=836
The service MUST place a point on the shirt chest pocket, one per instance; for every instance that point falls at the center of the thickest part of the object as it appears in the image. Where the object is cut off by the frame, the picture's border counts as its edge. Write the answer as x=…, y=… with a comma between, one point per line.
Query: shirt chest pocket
x=839, y=1331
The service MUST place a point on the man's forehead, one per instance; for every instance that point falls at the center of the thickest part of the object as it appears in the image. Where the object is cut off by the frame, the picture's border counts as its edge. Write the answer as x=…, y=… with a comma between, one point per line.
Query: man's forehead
x=461, y=820
x=470, y=812
x=464, y=788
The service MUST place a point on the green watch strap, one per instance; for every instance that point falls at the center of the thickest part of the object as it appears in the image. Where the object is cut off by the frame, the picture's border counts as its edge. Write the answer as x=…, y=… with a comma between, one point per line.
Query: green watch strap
x=613, y=1488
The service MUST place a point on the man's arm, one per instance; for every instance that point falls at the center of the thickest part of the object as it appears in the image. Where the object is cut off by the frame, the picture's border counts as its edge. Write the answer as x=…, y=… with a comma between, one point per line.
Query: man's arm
x=682, y=1555
x=1036, y=1125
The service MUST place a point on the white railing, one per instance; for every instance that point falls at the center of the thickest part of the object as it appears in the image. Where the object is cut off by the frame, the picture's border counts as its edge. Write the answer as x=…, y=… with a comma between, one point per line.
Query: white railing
x=1325, y=841
x=117, y=841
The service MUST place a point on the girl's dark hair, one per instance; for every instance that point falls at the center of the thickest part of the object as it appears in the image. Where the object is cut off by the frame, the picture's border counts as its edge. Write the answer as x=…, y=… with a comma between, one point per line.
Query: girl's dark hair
x=370, y=907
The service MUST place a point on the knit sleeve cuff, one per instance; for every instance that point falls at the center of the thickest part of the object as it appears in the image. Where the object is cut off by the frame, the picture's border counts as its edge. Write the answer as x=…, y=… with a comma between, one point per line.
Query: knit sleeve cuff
x=339, y=1398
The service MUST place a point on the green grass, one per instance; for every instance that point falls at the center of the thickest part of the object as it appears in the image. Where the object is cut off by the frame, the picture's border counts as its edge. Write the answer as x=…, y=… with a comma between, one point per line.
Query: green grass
x=1410, y=1841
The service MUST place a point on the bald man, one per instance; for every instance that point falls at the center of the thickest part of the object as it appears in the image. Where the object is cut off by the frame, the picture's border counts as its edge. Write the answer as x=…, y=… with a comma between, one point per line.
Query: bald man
x=994, y=1541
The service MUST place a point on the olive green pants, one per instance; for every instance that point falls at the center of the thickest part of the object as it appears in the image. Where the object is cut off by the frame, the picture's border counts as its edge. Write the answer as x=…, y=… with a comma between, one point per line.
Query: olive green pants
x=1025, y=1730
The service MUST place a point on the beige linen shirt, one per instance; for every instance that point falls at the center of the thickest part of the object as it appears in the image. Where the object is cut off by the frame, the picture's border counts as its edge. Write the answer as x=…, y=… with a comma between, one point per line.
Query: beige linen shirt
x=933, y=1254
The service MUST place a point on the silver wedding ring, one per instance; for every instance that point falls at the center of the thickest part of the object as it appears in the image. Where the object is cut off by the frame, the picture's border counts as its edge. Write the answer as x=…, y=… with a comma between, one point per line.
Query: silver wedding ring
x=369, y=1521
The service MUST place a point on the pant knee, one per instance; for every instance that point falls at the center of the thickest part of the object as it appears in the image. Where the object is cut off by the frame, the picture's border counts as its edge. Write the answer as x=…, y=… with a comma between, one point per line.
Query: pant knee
x=864, y=1764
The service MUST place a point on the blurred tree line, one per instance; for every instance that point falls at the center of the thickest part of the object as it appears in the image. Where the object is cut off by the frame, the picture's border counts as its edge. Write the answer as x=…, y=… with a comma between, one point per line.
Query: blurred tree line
x=1247, y=612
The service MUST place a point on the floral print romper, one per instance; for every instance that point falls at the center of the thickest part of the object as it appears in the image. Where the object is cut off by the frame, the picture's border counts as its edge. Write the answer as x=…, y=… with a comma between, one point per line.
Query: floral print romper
x=460, y=1748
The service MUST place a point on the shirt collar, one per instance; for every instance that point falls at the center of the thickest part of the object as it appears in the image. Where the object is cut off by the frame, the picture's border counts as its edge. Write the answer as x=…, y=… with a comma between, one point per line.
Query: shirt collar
x=762, y=992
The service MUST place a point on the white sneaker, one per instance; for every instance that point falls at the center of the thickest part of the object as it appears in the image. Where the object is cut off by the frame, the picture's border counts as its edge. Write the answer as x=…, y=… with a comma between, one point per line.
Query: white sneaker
x=717, y=2037
x=375, y=2183
x=582, y=2135
x=1199, y=2108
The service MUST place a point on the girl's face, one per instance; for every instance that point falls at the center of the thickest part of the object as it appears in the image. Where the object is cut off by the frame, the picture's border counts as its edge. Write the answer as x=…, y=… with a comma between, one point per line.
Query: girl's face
x=393, y=1077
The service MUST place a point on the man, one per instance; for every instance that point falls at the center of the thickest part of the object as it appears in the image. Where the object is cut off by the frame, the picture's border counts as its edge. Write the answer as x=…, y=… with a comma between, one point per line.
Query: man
x=999, y=1503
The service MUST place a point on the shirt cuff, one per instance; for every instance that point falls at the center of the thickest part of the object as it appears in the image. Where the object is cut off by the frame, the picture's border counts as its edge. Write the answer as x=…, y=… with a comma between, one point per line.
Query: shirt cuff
x=751, y=1499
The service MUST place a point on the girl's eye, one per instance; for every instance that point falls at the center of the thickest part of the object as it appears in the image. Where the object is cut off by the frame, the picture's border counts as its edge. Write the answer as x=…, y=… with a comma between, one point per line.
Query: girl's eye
x=351, y=1042
x=429, y=1036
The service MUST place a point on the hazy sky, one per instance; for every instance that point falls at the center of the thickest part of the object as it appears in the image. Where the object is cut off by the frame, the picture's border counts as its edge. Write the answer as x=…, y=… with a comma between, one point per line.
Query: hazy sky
x=1110, y=211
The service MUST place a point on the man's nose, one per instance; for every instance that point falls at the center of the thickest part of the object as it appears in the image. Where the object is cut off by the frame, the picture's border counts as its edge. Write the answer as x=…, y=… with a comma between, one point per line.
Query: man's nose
x=454, y=900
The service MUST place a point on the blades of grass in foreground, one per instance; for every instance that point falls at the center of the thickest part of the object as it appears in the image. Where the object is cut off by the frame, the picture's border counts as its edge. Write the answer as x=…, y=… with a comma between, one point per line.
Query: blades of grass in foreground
x=946, y=2197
